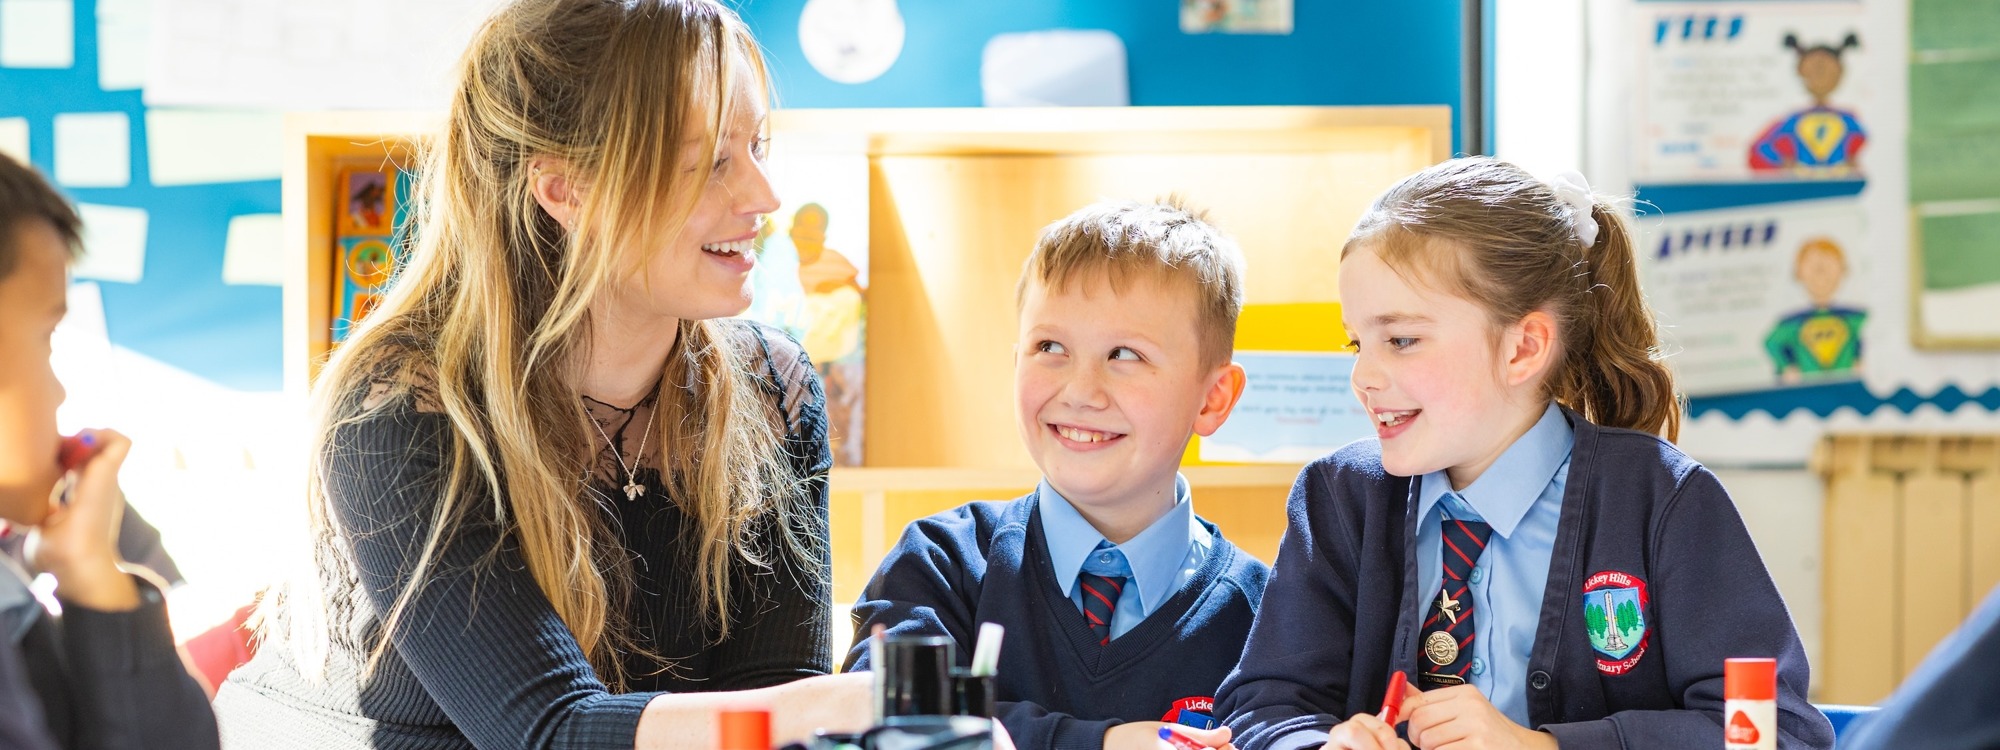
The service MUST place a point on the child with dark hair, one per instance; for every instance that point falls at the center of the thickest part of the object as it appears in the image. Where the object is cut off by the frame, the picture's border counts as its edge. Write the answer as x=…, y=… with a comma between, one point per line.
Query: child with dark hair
x=106, y=674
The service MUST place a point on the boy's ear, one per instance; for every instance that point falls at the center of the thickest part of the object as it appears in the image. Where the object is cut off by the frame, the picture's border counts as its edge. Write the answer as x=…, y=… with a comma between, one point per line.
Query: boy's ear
x=1529, y=347
x=554, y=191
x=1225, y=388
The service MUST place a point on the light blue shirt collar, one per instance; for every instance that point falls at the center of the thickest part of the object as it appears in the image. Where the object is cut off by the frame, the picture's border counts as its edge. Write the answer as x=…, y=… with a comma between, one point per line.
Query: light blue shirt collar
x=1503, y=494
x=1157, y=555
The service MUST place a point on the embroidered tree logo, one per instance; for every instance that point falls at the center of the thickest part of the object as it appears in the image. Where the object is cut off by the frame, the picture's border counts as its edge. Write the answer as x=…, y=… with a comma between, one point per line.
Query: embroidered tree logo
x=1593, y=620
x=1628, y=616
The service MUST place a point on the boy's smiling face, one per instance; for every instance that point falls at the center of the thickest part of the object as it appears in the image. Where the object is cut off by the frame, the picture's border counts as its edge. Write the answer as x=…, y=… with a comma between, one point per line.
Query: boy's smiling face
x=31, y=303
x=1109, y=385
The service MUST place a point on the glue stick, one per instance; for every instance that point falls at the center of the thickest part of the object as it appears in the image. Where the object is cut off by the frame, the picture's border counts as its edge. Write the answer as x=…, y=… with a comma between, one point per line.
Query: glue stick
x=1750, y=704
x=743, y=729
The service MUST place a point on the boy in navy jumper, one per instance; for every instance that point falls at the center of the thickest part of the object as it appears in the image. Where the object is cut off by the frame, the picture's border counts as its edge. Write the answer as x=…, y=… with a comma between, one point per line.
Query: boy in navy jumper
x=105, y=673
x=1122, y=607
x=1542, y=581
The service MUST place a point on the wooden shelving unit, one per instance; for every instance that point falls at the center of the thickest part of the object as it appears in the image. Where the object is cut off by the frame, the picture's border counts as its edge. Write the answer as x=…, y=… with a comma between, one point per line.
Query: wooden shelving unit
x=957, y=197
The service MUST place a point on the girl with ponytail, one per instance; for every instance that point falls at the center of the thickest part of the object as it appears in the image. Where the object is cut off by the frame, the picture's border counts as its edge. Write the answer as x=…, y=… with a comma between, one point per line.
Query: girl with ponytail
x=1521, y=548
x=558, y=499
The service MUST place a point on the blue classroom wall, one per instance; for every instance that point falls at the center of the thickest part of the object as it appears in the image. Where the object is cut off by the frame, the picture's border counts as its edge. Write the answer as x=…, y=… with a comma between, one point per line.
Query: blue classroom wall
x=180, y=313
x=1339, y=52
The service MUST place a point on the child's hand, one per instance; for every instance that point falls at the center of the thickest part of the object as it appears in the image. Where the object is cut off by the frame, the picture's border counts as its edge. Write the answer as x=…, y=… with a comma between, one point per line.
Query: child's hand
x=78, y=543
x=1461, y=717
x=1145, y=735
x=1364, y=732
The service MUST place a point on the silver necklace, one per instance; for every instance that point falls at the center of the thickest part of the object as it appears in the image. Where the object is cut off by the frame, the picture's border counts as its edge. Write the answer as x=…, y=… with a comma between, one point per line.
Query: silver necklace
x=632, y=487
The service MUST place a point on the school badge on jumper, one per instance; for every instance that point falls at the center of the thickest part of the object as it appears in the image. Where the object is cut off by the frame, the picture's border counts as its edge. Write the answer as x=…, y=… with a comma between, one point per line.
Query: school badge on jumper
x=1614, y=613
x=1196, y=711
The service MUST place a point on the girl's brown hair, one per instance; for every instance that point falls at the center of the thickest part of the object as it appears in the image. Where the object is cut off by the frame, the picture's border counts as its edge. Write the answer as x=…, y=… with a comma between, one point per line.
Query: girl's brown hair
x=490, y=320
x=1489, y=232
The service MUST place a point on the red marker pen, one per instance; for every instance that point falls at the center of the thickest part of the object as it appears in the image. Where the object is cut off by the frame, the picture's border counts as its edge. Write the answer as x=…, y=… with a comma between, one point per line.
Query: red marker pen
x=1392, y=702
x=75, y=450
x=1179, y=742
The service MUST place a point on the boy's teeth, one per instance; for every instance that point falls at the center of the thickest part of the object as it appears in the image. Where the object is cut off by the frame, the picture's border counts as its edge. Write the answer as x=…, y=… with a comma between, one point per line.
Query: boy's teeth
x=729, y=248
x=1083, y=436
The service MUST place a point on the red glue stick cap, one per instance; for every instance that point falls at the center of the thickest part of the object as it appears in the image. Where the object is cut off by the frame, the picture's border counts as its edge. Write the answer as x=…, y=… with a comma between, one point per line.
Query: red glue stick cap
x=744, y=729
x=1750, y=679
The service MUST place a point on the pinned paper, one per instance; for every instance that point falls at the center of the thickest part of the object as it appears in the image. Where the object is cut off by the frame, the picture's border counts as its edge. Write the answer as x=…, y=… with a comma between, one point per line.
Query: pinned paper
x=37, y=33
x=114, y=243
x=251, y=255
x=1060, y=68
x=14, y=138
x=197, y=146
x=124, y=43
x=94, y=149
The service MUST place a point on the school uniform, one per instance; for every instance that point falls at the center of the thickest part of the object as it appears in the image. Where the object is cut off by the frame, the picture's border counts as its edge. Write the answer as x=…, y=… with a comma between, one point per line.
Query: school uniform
x=1617, y=588
x=1097, y=634
x=94, y=679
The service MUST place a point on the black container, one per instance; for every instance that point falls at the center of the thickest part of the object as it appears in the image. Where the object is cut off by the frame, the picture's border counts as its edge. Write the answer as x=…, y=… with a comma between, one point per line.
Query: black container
x=975, y=694
x=914, y=677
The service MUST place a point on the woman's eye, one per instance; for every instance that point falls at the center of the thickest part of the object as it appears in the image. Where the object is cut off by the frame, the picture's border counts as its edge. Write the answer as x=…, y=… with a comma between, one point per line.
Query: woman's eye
x=760, y=148
x=1125, y=353
x=1051, y=347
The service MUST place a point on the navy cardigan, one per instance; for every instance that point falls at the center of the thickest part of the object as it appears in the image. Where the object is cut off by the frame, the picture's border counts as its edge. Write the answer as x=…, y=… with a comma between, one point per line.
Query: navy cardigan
x=1340, y=615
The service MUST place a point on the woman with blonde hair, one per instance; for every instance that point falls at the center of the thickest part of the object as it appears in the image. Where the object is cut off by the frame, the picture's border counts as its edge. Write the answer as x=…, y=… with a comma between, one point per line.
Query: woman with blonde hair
x=557, y=503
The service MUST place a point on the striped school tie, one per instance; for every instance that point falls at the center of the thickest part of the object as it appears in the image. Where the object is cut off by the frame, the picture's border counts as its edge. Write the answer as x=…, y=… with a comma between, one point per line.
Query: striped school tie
x=1100, y=599
x=1445, y=651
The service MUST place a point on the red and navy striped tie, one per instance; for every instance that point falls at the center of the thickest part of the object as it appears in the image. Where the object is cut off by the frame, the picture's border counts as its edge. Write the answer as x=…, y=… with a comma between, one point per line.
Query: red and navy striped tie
x=1444, y=653
x=1100, y=599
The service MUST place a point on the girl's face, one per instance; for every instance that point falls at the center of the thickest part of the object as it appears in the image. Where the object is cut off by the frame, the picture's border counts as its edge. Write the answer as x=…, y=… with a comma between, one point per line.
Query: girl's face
x=1429, y=370
x=705, y=272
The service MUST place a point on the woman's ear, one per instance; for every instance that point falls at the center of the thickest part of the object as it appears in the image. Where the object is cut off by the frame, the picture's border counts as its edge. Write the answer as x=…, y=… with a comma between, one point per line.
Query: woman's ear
x=549, y=180
x=1530, y=347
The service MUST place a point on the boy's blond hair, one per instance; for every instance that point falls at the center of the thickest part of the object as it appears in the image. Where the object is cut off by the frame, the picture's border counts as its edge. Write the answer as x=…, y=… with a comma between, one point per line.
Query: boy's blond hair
x=1166, y=239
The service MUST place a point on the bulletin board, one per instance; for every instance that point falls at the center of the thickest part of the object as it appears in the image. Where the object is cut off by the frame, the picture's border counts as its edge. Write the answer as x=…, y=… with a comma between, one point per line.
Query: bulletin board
x=1954, y=191
x=1791, y=162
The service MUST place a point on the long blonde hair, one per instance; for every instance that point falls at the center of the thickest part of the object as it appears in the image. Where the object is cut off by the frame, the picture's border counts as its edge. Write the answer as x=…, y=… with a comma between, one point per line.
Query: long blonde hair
x=493, y=311
x=1493, y=234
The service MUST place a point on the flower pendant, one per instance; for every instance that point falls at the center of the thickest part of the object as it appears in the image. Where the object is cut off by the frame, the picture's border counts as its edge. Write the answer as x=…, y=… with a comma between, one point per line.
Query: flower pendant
x=633, y=490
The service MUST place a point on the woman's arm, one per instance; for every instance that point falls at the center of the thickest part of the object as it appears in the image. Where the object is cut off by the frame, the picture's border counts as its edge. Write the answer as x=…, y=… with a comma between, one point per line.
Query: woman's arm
x=478, y=633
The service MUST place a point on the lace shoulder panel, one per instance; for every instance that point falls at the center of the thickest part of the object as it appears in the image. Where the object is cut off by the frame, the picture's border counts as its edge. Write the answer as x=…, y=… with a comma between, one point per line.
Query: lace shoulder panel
x=787, y=372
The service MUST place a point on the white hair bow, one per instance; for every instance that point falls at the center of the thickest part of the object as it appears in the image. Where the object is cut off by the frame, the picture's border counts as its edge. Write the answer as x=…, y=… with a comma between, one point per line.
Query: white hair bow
x=1575, y=191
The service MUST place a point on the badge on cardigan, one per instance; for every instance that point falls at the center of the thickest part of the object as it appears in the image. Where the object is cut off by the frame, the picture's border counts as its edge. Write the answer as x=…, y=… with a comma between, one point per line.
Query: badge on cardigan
x=1614, y=613
x=1194, y=711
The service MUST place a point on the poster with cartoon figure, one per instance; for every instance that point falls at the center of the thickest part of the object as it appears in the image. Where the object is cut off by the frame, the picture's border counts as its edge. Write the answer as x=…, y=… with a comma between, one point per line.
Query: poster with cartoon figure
x=811, y=279
x=1820, y=140
x=1824, y=339
x=1762, y=297
x=1750, y=91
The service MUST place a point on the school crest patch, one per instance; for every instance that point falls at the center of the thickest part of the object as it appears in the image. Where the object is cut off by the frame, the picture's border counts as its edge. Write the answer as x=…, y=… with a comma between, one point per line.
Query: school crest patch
x=1194, y=711
x=1614, y=613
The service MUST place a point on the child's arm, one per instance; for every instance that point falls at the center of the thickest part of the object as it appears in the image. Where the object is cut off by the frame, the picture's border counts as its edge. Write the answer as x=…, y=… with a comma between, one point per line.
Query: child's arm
x=1713, y=600
x=925, y=586
x=1291, y=687
x=124, y=675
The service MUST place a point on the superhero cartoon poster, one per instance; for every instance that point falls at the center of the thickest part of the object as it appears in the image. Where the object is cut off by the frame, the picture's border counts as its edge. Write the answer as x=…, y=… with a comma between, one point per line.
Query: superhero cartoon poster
x=1764, y=297
x=1762, y=91
x=811, y=279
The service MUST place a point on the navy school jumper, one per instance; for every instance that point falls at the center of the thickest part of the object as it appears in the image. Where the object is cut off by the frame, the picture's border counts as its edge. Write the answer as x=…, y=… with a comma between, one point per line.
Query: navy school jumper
x=1341, y=612
x=988, y=562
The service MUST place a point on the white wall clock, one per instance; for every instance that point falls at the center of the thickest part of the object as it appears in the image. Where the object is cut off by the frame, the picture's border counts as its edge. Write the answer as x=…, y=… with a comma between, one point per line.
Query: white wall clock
x=851, y=41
